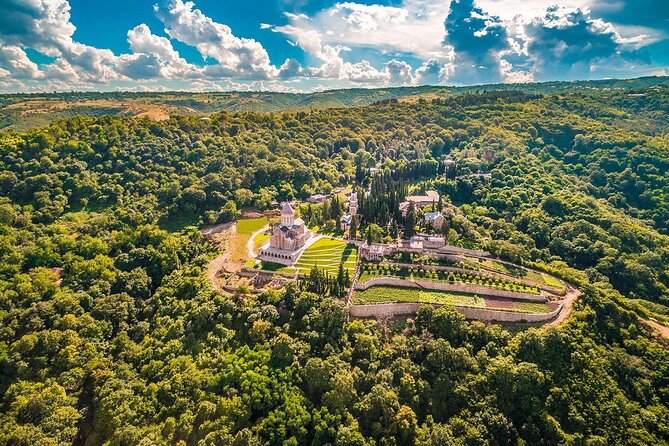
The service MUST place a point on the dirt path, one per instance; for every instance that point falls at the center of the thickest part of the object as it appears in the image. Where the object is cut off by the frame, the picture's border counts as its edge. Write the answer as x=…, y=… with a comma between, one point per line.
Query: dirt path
x=214, y=267
x=250, y=245
x=222, y=233
x=225, y=234
x=661, y=329
x=567, y=305
x=217, y=229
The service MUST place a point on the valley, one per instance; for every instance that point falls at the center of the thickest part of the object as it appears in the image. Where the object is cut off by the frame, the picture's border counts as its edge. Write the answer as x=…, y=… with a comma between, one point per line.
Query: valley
x=422, y=265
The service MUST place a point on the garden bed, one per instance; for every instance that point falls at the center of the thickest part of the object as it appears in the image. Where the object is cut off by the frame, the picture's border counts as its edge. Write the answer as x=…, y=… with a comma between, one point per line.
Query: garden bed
x=387, y=294
x=372, y=272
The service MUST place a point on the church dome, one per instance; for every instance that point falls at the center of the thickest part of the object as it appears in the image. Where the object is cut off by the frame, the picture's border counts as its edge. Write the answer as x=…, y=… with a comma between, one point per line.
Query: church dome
x=287, y=209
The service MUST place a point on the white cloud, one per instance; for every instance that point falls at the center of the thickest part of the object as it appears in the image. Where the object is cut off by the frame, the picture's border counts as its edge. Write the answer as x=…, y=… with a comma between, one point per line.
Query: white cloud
x=567, y=43
x=528, y=9
x=399, y=72
x=240, y=56
x=347, y=44
x=45, y=26
x=142, y=40
x=433, y=72
x=154, y=56
x=17, y=64
x=416, y=27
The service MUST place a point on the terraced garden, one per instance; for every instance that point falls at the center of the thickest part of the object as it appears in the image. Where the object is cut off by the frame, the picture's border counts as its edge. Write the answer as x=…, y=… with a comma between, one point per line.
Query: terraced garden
x=326, y=253
x=371, y=271
x=516, y=271
x=387, y=294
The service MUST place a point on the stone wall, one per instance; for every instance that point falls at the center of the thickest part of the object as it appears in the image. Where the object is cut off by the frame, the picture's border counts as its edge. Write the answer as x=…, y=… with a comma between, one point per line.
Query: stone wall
x=443, y=286
x=390, y=310
x=383, y=310
x=482, y=314
x=449, y=249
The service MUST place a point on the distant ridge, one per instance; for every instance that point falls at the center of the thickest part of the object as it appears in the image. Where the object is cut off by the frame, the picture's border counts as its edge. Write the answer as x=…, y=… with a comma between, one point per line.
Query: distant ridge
x=22, y=111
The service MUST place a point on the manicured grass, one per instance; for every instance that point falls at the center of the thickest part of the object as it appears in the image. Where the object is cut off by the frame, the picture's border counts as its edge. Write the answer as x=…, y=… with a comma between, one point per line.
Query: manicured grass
x=532, y=307
x=250, y=225
x=272, y=266
x=382, y=294
x=327, y=254
x=260, y=240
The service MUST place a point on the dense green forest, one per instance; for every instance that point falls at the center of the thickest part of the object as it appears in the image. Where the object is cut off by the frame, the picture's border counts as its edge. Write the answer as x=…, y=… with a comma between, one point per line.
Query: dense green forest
x=111, y=334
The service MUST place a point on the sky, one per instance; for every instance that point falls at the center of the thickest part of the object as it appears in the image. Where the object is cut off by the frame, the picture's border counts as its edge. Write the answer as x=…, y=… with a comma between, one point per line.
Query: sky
x=311, y=45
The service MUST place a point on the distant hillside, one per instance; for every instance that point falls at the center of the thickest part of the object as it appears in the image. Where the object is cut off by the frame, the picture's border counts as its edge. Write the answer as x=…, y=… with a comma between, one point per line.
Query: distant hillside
x=25, y=111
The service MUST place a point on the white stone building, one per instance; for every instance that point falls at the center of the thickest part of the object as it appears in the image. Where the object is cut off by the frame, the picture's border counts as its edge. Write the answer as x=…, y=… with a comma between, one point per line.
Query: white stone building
x=434, y=219
x=375, y=252
x=345, y=220
x=430, y=197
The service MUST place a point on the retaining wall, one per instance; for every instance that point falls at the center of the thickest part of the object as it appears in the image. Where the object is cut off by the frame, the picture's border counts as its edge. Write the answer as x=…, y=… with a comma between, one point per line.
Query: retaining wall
x=250, y=272
x=383, y=310
x=442, y=286
x=390, y=310
x=449, y=249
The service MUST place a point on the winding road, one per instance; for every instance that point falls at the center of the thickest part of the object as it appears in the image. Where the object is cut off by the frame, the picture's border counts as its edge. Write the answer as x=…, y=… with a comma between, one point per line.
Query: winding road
x=567, y=305
x=661, y=329
x=251, y=243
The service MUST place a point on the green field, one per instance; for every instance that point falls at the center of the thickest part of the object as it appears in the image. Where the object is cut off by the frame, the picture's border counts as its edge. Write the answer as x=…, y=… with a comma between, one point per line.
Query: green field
x=250, y=225
x=260, y=240
x=382, y=294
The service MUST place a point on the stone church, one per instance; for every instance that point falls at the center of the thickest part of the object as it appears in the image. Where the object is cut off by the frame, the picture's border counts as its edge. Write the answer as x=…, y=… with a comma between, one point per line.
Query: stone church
x=288, y=238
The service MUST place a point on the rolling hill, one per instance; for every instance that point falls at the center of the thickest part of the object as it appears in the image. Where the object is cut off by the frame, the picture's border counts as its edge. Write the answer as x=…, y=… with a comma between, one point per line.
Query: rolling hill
x=25, y=111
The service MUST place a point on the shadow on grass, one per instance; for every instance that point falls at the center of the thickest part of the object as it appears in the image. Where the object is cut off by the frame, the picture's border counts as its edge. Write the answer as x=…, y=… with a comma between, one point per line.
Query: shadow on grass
x=269, y=266
x=176, y=223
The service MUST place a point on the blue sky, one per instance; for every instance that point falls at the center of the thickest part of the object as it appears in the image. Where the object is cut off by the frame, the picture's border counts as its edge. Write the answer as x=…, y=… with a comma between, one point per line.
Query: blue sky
x=303, y=45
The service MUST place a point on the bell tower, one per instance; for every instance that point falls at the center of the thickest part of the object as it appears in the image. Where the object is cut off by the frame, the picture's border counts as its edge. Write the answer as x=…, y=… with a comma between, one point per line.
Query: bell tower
x=353, y=204
x=287, y=215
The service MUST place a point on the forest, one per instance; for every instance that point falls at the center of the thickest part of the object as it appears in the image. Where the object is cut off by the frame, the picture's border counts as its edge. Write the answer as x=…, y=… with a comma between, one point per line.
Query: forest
x=110, y=333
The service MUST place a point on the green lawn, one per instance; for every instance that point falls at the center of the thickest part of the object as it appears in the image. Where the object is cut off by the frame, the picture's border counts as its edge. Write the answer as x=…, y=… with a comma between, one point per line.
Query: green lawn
x=250, y=225
x=260, y=240
x=327, y=254
x=381, y=294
